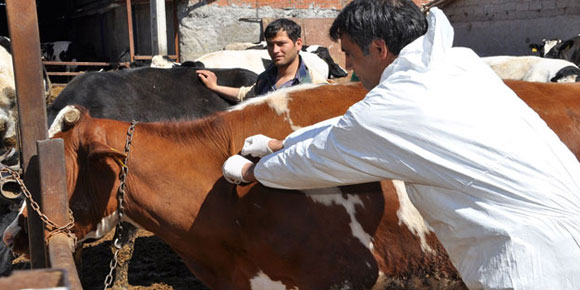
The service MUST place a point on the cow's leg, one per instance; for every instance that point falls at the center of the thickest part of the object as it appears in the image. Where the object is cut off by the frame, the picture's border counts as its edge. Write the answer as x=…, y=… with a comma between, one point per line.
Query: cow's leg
x=124, y=255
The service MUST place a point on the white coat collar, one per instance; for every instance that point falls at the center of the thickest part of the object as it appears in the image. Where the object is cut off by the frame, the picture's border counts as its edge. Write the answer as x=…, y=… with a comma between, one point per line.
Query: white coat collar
x=427, y=50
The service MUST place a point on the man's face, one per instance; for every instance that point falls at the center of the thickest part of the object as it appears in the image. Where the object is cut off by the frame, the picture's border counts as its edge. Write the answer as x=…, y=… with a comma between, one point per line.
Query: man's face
x=368, y=68
x=282, y=49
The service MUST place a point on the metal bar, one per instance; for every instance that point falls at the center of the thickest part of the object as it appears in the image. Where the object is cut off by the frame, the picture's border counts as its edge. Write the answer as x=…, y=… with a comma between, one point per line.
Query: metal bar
x=35, y=279
x=78, y=63
x=54, y=193
x=158, y=27
x=23, y=26
x=176, y=31
x=147, y=57
x=64, y=73
x=130, y=27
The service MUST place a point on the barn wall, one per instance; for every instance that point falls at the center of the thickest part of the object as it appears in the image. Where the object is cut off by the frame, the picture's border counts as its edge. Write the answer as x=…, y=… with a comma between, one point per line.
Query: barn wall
x=497, y=27
x=207, y=26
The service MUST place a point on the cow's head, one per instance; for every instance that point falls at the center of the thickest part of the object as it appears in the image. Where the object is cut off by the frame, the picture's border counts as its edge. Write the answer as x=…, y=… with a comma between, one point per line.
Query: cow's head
x=92, y=168
x=334, y=70
x=545, y=47
x=551, y=48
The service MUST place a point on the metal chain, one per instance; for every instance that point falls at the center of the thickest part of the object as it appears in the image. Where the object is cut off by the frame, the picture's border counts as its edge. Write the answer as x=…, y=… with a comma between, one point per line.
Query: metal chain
x=121, y=209
x=50, y=226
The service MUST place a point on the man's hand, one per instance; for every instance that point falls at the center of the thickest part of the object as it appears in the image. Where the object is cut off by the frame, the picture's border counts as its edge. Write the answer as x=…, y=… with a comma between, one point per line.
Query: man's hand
x=238, y=169
x=208, y=78
x=257, y=146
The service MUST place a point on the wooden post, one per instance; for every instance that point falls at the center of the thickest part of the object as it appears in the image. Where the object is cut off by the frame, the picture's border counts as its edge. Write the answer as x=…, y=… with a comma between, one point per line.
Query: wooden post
x=23, y=27
x=53, y=185
x=158, y=28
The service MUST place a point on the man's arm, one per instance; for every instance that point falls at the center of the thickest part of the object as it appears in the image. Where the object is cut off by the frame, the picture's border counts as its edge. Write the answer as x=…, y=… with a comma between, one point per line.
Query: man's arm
x=209, y=79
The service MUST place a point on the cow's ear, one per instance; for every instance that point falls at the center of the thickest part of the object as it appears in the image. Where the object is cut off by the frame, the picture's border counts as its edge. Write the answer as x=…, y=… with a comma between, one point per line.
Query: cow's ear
x=100, y=150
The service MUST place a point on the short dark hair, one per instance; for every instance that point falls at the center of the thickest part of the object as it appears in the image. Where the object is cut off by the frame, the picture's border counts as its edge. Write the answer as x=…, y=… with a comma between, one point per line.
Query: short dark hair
x=292, y=29
x=397, y=22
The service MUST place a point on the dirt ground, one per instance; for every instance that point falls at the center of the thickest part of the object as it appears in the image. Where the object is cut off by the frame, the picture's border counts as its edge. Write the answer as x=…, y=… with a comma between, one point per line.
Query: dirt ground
x=153, y=266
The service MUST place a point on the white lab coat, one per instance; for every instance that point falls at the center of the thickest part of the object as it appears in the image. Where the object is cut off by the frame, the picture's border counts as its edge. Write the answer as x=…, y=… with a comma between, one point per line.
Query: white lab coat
x=498, y=187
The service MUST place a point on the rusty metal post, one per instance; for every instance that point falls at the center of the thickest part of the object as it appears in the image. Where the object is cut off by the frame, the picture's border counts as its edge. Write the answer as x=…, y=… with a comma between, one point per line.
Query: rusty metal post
x=53, y=188
x=130, y=27
x=23, y=26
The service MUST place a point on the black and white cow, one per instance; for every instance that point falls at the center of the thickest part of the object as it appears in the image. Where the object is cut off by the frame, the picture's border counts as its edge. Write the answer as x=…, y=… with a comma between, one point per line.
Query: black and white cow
x=533, y=68
x=68, y=51
x=257, y=60
x=568, y=50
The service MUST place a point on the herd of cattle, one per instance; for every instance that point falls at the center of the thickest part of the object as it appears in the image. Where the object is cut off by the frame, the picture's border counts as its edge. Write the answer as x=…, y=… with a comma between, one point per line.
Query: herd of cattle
x=250, y=236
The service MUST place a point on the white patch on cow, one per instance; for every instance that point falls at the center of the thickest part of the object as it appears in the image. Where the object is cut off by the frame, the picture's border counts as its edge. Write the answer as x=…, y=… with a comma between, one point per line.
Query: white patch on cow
x=277, y=100
x=160, y=61
x=106, y=225
x=103, y=227
x=12, y=230
x=57, y=124
x=312, y=48
x=527, y=68
x=410, y=216
x=549, y=44
x=333, y=195
x=567, y=79
x=262, y=282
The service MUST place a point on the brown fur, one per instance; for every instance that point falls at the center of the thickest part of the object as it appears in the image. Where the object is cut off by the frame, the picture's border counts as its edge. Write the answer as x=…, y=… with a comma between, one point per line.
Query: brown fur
x=226, y=234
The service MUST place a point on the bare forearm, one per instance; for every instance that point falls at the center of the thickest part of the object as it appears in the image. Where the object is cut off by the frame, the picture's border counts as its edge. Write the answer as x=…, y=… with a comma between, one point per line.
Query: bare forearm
x=229, y=93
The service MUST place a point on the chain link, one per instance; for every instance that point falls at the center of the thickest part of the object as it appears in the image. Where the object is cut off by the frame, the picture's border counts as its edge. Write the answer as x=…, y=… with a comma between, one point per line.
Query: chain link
x=121, y=209
x=50, y=226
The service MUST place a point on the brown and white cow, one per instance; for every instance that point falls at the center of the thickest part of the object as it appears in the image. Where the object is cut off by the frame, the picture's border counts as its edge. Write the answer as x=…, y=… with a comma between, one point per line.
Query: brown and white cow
x=253, y=237
x=249, y=236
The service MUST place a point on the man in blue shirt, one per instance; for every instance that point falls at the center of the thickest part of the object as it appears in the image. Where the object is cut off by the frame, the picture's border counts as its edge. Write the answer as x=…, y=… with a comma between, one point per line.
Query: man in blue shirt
x=287, y=68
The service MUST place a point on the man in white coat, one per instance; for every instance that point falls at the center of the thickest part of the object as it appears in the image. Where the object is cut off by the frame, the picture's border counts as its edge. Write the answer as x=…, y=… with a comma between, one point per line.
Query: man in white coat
x=497, y=186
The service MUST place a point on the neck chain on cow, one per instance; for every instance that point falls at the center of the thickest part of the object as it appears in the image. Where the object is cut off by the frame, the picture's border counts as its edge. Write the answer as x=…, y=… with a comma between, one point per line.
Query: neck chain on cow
x=120, y=230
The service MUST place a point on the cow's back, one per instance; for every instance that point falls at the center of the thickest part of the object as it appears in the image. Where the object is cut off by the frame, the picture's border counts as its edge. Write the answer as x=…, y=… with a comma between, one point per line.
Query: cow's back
x=148, y=94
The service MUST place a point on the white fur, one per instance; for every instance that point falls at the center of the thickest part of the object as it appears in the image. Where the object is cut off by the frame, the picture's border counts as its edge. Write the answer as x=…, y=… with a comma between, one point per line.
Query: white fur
x=262, y=282
x=527, y=68
x=410, y=216
x=57, y=124
x=333, y=196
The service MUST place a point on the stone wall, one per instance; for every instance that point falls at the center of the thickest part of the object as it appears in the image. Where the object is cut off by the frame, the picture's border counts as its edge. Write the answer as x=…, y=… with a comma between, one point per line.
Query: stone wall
x=207, y=26
x=500, y=27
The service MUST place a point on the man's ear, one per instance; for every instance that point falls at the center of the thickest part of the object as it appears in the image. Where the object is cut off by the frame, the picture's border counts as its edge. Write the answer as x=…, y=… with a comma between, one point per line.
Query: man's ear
x=299, y=43
x=381, y=47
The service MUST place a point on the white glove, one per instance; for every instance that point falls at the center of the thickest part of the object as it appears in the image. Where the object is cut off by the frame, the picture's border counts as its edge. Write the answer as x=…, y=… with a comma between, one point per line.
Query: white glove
x=257, y=146
x=232, y=169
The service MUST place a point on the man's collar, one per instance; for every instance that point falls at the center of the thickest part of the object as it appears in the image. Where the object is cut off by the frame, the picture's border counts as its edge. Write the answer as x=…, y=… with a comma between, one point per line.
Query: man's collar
x=301, y=73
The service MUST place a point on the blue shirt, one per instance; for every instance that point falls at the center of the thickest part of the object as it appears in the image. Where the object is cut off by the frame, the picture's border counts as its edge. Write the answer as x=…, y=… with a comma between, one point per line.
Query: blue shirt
x=266, y=81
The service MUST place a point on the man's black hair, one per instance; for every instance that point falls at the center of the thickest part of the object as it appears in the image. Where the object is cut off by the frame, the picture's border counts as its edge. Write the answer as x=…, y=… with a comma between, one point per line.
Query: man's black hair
x=397, y=22
x=292, y=29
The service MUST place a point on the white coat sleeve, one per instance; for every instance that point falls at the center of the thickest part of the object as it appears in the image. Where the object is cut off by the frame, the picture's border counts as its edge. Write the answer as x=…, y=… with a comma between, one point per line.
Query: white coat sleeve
x=309, y=132
x=344, y=151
